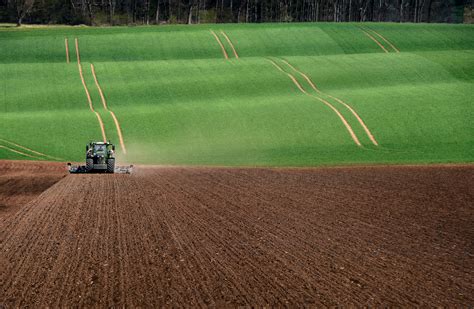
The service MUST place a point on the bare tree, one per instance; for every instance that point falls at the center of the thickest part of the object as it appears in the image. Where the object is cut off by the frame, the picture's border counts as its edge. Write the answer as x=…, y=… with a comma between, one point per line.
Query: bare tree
x=190, y=12
x=23, y=8
x=421, y=5
x=428, y=19
x=157, y=18
x=402, y=6
x=90, y=13
x=112, y=4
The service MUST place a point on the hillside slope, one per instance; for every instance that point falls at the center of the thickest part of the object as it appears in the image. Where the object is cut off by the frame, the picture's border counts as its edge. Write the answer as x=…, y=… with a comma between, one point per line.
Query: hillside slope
x=273, y=94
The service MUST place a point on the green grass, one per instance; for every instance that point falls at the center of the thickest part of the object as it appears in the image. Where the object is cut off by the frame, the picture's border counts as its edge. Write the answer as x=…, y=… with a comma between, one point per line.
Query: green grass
x=52, y=133
x=423, y=37
x=179, y=102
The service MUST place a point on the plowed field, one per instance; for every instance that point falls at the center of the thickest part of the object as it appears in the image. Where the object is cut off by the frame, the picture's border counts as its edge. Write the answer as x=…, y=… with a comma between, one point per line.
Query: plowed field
x=22, y=181
x=217, y=236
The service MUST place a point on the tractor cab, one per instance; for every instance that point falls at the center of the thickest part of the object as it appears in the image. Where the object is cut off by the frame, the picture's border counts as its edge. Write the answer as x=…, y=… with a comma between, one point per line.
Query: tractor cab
x=100, y=157
x=100, y=150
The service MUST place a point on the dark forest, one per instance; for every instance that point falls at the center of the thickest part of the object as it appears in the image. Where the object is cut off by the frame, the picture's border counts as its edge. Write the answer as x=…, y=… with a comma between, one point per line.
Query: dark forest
x=145, y=12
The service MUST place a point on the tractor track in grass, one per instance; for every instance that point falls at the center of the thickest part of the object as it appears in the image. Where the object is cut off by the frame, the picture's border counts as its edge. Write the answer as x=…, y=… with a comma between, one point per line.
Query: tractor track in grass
x=34, y=152
x=104, y=103
x=231, y=44
x=334, y=109
x=375, y=40
x=363, y=236
x=66, y=43
x=224, y=52
x=384, y=39
x=18, y=152
x=350, y=108
x=89, y=100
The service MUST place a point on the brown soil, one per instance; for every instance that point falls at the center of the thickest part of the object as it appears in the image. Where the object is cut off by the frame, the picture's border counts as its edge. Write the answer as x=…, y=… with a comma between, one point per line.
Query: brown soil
x=23, y=181
x=219, y=236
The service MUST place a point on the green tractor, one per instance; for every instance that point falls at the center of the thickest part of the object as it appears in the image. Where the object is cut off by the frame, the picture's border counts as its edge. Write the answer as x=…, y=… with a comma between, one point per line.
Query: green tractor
x=100, y=158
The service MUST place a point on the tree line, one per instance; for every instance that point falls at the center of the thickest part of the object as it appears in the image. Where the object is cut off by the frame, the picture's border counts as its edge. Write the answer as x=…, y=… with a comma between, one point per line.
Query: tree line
x=139, y=12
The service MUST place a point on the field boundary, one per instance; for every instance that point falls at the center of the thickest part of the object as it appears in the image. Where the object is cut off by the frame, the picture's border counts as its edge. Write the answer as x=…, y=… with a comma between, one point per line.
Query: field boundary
x=104, y=103
x=224, y=52
x=350, y=108
x=231, y=44
x=79, y=66
x=335, y=110
x=30, y=150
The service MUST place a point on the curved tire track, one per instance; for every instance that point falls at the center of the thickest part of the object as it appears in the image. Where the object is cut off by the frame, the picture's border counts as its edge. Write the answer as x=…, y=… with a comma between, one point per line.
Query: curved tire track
x=375, y=40
x=18, y=152
x=224, y=52
x=231, y=45
x=89, y=100
x=335, y=110
x=104, y=103
x=30, y=150
x=359, y=119
x=385, y=40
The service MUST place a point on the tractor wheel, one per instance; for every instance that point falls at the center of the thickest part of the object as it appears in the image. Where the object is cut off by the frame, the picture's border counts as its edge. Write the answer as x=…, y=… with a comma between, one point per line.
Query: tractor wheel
x=110, y=165
x=89, y=165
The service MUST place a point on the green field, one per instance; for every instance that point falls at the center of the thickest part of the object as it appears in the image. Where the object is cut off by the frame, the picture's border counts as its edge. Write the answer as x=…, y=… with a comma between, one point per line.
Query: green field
x=179, y=101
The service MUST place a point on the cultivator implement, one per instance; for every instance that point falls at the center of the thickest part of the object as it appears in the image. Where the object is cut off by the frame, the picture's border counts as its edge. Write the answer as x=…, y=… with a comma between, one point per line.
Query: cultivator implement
x=82, y=169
